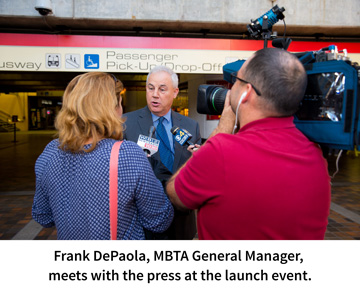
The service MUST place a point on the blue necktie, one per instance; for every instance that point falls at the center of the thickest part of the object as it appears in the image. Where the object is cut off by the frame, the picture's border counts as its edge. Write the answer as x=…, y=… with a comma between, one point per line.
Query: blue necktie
x=164, y=147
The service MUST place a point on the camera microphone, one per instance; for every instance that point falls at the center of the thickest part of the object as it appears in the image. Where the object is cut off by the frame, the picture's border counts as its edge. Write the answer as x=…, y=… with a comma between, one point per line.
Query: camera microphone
x=182, y=136
x=149, y=144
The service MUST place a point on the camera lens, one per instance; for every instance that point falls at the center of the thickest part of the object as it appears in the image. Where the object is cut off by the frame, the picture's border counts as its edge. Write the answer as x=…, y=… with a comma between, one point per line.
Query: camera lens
x=211, y=99
x=217, y=99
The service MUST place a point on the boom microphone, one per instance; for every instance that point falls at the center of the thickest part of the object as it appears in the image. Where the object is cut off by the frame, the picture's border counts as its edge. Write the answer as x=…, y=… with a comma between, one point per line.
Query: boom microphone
x=182, y=136
x=147, y=143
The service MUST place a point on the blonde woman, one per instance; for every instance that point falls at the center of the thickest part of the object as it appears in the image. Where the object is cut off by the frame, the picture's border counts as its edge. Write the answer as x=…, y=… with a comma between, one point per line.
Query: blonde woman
x=72, y=173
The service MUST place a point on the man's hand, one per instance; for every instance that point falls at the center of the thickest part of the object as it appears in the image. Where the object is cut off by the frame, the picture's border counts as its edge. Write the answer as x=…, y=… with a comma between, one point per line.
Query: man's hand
x=227, y=119
x=193, y=148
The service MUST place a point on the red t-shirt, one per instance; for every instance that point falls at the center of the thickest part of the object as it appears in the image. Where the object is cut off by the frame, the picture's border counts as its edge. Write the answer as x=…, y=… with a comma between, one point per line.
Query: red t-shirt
x=266, y=182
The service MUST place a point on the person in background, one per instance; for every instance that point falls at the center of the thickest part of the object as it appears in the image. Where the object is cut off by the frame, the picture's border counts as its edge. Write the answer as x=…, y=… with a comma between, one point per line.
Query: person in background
x=161, y=90
x=266, y=180
x=72, y=173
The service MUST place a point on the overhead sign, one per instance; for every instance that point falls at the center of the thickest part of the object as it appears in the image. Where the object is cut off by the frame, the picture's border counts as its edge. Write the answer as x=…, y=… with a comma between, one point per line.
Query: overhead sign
x=53, y=61
x=91, y=61
x=18, y=58
x=72, y=61
x=20, y=52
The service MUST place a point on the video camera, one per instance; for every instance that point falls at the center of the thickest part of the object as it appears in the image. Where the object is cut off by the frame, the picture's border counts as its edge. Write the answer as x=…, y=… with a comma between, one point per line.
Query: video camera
x=329, y=111
x=211, y=97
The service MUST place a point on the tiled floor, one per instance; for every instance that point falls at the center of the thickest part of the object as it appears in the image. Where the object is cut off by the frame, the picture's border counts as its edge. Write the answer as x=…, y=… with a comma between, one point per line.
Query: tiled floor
x=340, y=227
x=17, y=185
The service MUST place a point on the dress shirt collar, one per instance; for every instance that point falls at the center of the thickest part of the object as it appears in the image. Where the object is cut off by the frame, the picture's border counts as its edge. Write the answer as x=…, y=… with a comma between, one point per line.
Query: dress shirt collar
x=167, y=116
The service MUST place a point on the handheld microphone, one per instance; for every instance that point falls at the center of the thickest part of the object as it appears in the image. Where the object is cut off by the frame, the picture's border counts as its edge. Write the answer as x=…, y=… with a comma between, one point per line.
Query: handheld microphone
x=151, y=131
x=147, y=143
x=182, y=136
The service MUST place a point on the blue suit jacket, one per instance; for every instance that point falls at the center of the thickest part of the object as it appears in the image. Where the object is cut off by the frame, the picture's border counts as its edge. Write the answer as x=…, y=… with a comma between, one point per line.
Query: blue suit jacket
x=139, y=122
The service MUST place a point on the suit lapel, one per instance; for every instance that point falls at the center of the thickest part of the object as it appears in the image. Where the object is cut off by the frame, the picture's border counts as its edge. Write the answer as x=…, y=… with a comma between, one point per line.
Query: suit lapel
x=145, y=121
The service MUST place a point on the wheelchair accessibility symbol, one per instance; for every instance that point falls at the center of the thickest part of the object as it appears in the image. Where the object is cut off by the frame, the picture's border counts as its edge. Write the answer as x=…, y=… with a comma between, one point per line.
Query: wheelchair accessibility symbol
x=91, y=61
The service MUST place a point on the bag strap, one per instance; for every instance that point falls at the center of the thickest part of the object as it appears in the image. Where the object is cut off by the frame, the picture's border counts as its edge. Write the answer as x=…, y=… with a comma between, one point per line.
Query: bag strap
x=113, y=189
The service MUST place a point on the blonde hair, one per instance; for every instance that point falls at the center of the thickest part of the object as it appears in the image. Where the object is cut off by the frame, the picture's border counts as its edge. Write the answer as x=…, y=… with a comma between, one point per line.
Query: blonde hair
x=89, y=111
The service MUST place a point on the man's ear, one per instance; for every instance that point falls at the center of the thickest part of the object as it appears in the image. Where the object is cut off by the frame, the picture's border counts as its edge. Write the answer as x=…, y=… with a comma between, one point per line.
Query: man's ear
x=176, y=91
x=243, y=96
x=247, y=93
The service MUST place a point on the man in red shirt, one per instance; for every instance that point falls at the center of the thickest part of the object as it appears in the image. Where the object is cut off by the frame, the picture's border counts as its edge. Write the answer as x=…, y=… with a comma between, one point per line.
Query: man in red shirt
x=267, y=181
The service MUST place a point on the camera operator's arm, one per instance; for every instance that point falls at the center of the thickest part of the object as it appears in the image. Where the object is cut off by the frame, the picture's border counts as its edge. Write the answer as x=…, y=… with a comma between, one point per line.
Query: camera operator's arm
x=171, y=192
x=227, y=119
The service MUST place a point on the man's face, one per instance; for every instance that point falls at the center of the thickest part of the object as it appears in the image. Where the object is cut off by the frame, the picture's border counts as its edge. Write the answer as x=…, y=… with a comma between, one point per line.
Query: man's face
x=160, y=93
x=235, y=93
x=238, y=88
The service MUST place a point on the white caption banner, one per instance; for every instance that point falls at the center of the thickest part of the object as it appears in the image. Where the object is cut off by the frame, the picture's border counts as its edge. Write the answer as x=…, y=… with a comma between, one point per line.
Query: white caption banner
x=194, y=266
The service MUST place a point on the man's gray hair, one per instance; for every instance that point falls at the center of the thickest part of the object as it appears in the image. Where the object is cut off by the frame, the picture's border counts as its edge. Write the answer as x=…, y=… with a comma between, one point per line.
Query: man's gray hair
x=160, y=68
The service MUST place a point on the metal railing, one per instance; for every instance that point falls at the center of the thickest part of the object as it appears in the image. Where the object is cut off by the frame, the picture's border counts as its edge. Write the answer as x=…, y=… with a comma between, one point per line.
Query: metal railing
x=6, y=124
x=4, y=115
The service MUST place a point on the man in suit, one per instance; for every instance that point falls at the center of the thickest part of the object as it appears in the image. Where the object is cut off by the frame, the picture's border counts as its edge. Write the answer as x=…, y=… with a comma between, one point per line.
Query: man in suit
x=161, y=90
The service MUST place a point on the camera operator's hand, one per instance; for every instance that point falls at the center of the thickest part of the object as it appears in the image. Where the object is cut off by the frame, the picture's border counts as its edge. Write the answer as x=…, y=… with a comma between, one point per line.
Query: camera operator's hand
x=193, y=148
x=227, y=119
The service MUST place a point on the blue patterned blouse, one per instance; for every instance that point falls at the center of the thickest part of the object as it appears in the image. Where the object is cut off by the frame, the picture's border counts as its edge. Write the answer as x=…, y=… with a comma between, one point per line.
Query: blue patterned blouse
x=72, y=193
